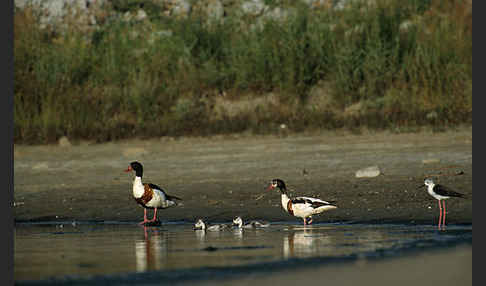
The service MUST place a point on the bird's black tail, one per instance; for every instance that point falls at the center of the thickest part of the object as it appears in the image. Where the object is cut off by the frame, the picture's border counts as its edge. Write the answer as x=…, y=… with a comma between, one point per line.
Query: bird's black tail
x=464, y=196
x=171, y=198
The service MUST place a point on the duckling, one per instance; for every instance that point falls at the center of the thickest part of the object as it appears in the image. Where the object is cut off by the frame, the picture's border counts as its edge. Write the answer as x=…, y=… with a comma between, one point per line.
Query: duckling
x=201, y=225
x=252, y=224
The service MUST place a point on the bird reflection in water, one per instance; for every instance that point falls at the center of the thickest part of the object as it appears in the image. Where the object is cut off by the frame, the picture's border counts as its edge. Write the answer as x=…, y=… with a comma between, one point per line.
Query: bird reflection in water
x=304, y=243
x=202, y=235
x=237, y=233
x=151, y=251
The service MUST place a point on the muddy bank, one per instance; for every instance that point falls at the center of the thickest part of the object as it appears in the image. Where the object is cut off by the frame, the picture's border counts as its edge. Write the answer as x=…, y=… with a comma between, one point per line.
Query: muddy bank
x=221, y=177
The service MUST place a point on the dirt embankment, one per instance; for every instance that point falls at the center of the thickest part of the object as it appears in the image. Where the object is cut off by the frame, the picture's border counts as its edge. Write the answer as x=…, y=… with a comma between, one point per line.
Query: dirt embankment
x=221, y=177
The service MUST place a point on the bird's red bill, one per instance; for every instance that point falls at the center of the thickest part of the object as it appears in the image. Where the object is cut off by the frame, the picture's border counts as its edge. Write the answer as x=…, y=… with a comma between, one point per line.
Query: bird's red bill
x=129, y=169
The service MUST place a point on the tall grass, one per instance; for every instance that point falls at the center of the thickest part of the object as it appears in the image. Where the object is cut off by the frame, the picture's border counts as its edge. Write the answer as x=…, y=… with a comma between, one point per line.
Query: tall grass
x=162, y=77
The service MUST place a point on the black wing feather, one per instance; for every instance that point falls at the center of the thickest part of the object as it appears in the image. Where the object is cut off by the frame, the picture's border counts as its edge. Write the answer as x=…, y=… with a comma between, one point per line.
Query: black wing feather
x=445, y=191
x=155, y=187
x=314, y=204
x=318, y=204
x=299, y=201
x=171, y=198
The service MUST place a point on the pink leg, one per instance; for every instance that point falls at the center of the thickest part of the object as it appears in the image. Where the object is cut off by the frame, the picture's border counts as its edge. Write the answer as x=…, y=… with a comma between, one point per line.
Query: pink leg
x=440, y=213
x=305, y=221
x=144, y=216
x=155, y=215
x=443, y=218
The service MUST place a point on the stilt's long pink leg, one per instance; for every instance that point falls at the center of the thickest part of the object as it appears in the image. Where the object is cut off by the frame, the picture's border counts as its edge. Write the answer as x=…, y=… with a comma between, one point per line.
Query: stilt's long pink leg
x=444, y=217
x=440, y=213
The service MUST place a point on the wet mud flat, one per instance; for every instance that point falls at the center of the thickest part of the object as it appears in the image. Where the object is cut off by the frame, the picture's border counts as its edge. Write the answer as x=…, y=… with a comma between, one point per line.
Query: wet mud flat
x=221, y=177
x=119, y=254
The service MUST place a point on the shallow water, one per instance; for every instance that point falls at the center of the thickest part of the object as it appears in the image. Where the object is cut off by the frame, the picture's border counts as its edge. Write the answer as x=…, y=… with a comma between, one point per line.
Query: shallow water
x=47, y=250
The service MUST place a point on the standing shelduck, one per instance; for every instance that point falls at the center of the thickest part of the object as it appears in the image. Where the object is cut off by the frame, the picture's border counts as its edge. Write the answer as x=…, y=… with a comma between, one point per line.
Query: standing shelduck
x=238, y=221
x=303, y=207
x=440, y=193
x=149, y=196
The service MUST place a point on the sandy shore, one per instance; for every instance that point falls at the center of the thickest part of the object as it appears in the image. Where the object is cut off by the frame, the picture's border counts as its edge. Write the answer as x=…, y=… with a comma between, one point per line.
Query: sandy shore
x=221, y=177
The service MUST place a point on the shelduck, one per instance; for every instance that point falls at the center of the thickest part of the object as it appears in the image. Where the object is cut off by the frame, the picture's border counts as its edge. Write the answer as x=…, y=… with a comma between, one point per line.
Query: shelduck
x=149, y=196
x=201, y=225
x=440, y=193
x=238, y=221
x=303, y=207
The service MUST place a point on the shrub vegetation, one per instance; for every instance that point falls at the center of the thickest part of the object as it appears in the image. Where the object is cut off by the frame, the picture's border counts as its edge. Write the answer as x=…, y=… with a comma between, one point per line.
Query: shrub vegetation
x=401, y=64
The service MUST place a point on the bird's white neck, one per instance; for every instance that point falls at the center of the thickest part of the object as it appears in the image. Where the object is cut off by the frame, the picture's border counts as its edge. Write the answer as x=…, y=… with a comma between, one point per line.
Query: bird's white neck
x=138, y=188
x=203, y=226
x=285, y=200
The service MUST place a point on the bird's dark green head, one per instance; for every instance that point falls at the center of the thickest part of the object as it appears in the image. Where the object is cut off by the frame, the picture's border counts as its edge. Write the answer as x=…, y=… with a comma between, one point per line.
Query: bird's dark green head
x=137, y=167
x=277, y=183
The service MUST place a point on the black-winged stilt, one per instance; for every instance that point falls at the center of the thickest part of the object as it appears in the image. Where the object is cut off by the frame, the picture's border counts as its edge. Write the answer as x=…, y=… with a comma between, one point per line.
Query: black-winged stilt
x=441, y=193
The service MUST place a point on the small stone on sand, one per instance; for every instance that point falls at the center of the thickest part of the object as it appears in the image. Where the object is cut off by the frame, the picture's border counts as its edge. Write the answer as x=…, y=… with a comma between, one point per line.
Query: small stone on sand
x=368, y=172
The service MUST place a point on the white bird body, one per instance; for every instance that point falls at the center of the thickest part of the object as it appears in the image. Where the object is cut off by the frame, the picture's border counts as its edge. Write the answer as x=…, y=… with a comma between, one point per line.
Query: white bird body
x=149, y=196
x=158, y=197
x=430, y=190
x=303, y=207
